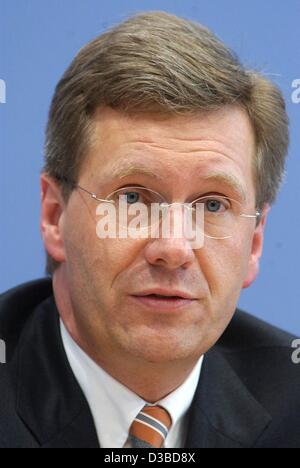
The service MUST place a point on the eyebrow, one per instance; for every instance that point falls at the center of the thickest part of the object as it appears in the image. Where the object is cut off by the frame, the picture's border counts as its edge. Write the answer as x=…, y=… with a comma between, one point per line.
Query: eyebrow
x=122, y=172
x=221, y=178
x=224, y=178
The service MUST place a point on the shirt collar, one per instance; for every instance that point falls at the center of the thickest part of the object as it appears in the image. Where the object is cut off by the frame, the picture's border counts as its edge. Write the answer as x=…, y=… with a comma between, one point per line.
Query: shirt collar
x=114, y=406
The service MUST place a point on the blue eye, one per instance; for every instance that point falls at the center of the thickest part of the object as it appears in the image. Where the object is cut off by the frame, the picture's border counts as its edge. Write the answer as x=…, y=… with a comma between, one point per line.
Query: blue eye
x=213, y=206
x=132, y=197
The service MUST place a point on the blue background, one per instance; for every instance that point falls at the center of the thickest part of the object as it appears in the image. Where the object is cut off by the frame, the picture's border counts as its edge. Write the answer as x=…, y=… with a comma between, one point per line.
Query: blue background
x=39, y=38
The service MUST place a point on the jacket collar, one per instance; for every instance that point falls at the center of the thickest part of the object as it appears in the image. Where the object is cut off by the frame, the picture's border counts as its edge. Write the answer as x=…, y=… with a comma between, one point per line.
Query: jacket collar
x=224, y=414
x=50, y=402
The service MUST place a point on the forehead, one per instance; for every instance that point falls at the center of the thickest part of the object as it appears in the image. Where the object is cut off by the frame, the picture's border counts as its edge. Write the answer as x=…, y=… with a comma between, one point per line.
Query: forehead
x=221, y=142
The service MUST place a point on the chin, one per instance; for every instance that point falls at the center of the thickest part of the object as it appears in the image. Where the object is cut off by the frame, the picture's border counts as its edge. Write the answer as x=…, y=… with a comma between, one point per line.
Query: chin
x=162, y=350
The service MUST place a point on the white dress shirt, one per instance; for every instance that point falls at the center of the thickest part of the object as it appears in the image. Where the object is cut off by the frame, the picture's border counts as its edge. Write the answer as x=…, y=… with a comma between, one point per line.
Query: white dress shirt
x=114, y=407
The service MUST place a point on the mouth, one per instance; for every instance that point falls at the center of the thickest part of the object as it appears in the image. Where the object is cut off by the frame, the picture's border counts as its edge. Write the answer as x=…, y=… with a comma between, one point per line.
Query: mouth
x=164, y=301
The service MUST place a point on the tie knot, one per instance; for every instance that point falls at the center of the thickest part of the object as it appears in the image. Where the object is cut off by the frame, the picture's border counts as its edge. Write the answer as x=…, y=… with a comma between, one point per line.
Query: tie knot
x=150, y=428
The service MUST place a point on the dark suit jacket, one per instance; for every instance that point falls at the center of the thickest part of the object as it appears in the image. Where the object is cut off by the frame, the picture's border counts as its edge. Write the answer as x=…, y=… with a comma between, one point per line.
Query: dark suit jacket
x=248, y=394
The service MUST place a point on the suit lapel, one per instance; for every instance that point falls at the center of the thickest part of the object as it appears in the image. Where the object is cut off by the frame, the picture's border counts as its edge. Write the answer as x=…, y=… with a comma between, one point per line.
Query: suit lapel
x=224, y=413
x=79, y=433
x=50, y=401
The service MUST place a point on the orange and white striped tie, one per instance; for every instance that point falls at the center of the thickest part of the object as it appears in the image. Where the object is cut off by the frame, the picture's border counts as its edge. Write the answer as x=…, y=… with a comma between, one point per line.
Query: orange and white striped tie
x=150, y=428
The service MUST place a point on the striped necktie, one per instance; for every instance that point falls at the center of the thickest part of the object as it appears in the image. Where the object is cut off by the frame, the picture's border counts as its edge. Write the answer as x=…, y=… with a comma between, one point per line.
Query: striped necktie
x=150, y=428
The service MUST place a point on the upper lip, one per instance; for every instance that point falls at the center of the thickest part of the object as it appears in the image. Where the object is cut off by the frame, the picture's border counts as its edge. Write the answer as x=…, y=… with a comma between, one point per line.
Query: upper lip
x=166, y=292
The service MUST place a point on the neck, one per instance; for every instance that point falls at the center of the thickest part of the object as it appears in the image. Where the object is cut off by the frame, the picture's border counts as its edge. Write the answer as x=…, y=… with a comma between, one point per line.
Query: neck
x=150, y=381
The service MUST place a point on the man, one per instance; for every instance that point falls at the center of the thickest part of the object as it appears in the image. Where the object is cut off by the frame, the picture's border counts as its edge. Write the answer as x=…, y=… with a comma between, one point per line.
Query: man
x=135, y=341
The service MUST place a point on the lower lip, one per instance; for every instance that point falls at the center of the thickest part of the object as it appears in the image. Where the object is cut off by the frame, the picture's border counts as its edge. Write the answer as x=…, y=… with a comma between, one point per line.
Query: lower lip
x=163, y=304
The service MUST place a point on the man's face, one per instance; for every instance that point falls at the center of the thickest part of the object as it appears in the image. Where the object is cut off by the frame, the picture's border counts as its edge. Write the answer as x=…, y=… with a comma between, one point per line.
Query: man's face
x=104, y=276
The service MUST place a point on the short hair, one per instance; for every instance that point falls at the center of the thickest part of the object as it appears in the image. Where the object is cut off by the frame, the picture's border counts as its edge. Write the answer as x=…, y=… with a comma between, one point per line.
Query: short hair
x=158, y=62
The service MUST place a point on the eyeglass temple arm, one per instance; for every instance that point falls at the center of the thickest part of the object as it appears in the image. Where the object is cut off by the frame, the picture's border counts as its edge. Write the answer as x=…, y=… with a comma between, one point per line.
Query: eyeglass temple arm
x=257, y=215
x=74, y=185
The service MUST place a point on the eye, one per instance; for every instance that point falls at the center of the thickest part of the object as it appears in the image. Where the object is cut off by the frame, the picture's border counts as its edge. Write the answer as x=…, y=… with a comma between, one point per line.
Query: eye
x=214, y=204
x=132, y=197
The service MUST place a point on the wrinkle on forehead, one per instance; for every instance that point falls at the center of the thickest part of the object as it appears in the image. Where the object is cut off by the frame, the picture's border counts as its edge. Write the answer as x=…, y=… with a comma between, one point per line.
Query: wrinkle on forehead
x=223, y=131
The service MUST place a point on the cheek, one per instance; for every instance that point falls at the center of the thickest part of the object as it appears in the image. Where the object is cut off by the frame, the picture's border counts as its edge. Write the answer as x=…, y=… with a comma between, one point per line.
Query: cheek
x=103, y=257
x=113, y=256
x=224, y=264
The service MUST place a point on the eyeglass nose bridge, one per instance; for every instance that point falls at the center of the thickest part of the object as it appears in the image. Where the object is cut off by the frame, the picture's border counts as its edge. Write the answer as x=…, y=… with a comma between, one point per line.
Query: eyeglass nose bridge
x=182, y=216
x=169, y=205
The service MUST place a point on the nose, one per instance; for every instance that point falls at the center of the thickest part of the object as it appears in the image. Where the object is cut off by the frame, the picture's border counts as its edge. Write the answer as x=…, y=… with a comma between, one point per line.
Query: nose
x=171, y=253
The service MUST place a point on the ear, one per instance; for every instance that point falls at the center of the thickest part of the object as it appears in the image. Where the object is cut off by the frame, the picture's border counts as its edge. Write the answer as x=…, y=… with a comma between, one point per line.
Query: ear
x=52, y=210
x=256, y=249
